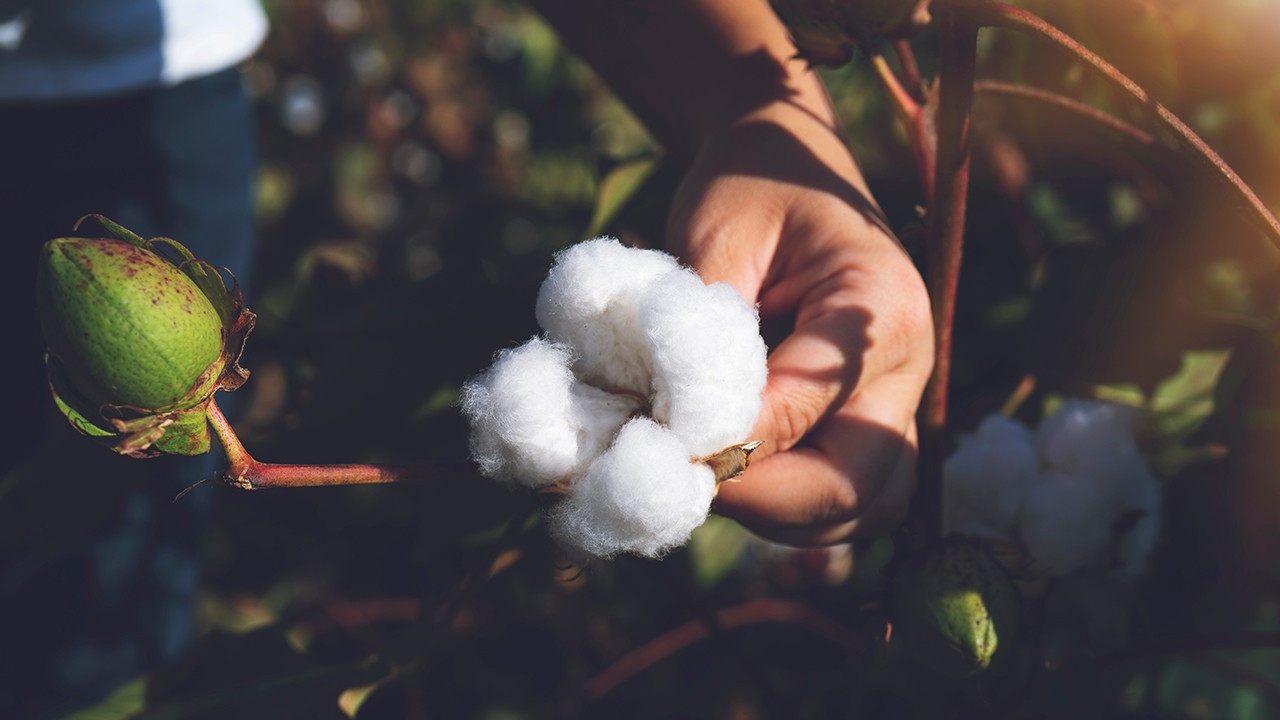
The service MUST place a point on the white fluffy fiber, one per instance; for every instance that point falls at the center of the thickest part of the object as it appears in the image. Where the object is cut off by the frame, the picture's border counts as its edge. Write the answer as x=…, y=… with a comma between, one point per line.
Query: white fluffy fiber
x=1060, y=493
x=641, y=496
x=628, y=332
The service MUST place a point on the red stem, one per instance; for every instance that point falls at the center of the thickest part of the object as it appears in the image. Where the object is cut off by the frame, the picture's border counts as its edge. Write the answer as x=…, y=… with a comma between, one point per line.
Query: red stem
x=756, y=611
x=997, y=14
x=910, y=68
x=957, y=59
x=914, y=119
x=248, y=474
x=958, y=50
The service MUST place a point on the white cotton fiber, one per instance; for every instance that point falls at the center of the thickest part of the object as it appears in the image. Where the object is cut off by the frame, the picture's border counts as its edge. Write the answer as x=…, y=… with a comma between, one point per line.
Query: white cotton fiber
x=1083, y=434
x=1065, y=524
x=986, y=480
x=530, y=422
x=642, y=496
x=643, y=370
x=708, y=360
x=1097, y=503
x=1076, y=494
x=590, y=302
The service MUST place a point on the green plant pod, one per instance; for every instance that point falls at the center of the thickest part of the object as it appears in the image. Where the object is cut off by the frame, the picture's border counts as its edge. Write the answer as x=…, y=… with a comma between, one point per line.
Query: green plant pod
x=137, y=342
x=127, y=327
x=954, y=607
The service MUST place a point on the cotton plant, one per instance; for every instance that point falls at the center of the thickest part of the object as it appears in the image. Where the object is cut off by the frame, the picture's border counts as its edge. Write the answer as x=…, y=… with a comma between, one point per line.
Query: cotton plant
x=1075, y=493
x=633, y=404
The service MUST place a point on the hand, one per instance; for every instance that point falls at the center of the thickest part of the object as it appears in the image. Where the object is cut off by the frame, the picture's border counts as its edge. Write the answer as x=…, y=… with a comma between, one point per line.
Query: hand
x=776, y=207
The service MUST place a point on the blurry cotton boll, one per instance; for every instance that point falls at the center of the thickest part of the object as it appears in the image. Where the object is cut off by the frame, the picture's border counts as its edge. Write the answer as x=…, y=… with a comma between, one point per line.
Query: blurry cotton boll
x=986, y=480
x=415, y=162
x=12, y=32
x=645, y=371
x=1077, y=493
x=369, y=64
x=501, y=42
x=302, y=105
x=511, y=131
x=641, y=496
x=344, y=16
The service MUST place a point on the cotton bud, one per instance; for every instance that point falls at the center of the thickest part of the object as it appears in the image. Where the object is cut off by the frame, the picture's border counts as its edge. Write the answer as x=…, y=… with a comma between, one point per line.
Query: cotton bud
x=954, y=607
x=137, y=342
x=633, y=406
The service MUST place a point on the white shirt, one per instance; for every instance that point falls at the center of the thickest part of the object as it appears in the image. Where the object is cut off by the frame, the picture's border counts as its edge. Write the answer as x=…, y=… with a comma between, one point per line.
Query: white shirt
x=61, y=49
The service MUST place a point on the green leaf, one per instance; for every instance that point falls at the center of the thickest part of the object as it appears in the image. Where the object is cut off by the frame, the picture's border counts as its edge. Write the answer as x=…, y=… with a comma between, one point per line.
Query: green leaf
x=1182, y=401
x=119, y=231
x=619, y=186
x=72, y=406
x=127, y=701
x=715, y=550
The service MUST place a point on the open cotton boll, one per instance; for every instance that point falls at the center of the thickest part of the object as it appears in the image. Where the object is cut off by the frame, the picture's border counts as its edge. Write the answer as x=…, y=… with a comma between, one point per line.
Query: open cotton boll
x=709, y=365
x=986, y=480
x=590, y=301
x=641, y=496
x=1084, y=433
x=1065, y=524
x=530, y=422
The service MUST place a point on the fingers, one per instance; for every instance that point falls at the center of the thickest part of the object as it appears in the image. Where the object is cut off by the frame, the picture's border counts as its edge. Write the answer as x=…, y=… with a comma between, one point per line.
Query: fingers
x=854, y=476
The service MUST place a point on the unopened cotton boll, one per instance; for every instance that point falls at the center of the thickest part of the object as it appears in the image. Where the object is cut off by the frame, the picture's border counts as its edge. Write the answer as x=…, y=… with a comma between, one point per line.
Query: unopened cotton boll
x=590, y=301
x=709, y=364
x=532, y=423
x=642, y=496
x=987, y=478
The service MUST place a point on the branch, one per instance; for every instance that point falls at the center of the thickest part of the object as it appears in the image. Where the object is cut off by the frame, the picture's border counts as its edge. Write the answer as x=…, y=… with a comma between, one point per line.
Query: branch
x=757, y=611
x=248, y=474
x=995, y=14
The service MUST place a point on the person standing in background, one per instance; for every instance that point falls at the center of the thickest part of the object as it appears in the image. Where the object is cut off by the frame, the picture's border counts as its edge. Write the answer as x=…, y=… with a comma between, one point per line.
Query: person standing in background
x=133, y=109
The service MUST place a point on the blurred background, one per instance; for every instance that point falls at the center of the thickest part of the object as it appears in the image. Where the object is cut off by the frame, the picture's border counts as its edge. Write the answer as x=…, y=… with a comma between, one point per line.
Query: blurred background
x=422, y=161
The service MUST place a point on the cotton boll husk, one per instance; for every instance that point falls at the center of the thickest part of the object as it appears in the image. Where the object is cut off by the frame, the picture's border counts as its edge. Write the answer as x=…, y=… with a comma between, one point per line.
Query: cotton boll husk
x=641, y=496
x=1065, y=524
x=986, y=480
x=709, y=364
x=530, y=423
x=590, y=301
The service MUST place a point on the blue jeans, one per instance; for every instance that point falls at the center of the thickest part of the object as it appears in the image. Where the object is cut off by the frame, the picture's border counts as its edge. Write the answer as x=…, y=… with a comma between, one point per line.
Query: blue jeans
x=99, y=569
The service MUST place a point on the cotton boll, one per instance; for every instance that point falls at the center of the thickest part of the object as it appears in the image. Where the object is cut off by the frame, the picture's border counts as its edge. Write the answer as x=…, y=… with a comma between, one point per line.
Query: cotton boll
x=590, y=302
x=708, y=360
x=1065, y=524
x=641, y=496
x=598, y=415
x=1085, y=434
x=530, y=423
x=987, y=478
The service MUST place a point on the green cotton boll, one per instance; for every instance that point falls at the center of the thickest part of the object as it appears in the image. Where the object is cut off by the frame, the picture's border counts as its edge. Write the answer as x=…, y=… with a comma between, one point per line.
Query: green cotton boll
x=954, y=607
x=126, y=327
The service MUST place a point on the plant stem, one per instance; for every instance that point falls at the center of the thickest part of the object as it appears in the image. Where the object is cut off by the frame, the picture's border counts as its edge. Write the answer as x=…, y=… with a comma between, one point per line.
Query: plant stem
x=1075, y=107
x=995, y=14
x=248, y=474
x=909, y=68
x=914, y=119
x=957, y=58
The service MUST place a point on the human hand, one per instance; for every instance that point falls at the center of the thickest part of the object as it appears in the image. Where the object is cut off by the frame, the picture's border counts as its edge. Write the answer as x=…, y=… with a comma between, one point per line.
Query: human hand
x=776, y=207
